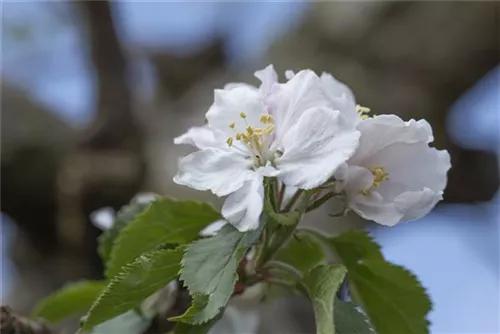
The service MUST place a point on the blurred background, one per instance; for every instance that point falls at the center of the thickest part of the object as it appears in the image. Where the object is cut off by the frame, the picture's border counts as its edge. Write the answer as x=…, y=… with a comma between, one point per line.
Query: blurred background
x=94, y=92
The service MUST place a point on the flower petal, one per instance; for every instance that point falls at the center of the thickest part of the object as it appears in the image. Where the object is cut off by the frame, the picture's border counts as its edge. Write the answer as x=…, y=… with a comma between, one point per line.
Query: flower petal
x=213, y=228
x=221, y=171
x=335, y=88
x=229, y=104
x=268, y=78
x=103, y=218
x=411, y=167
x=315, y=147
x=290, y=100
x=371, y=208
x=201, y=137
x=242, y=208
x=416, y=204
x=381, y=131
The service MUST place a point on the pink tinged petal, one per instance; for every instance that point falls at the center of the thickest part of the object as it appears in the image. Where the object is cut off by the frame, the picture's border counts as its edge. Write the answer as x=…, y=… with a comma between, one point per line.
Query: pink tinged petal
x=218, y=170
x=201, y=137
x=213, y=228
x=229, y=104
x=384, y=130
x=268, y=78
x=416, y=204
x=318, y=143
x=103, y=218
x=242, y=208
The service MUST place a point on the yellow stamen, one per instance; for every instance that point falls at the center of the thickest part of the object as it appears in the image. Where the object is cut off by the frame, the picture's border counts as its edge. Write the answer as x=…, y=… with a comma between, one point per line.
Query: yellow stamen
x=243, y=115
x=264, y=119
x=269, y=129
x=362, y=110
x=379, y=176
x=257, y=132
x=250, y=130
x=239, y=135
x=232, y=125
x=229, y=141
x=270, y=119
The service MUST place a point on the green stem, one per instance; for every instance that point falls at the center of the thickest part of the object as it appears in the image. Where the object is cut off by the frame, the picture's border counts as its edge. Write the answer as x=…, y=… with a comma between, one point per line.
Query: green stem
x=293, y=200
x=285, y=267
x=320, y=201
x=281, y=195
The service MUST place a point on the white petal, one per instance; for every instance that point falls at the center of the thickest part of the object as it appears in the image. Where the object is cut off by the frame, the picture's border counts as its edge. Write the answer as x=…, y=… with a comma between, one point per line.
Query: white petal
x=103, y=218
x=411, y=167
x=315, y=147
x=242, y=208
x=229, y=104
x=221, y=171
x=357, y=179
x=416, y=204
x=383, y=130
x=371, y=208
x=289, y=74
x=201, y=137
x=213, y=228
x=341, y=97
x=268, y=77
x=145, y=198
x=290, y=100
x=335, y=88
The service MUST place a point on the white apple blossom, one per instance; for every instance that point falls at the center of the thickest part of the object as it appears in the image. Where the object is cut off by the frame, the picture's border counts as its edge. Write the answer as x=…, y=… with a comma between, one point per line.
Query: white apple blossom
x=394, y=175
x=296, y=131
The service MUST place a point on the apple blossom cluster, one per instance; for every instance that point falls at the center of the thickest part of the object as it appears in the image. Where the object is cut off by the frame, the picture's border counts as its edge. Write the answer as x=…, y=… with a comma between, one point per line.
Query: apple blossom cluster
x=311, y=139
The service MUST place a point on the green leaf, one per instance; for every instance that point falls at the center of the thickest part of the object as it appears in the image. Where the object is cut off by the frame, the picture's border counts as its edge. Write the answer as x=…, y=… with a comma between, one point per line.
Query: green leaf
x=322, y=284
x=137, y=281
x=391, y=296
x=126, y=214
x=348, y=320
x=165, y=221
x=185, y=328
x=71, y=299
x=302, y=251
x=128, y=323
x=209, y=270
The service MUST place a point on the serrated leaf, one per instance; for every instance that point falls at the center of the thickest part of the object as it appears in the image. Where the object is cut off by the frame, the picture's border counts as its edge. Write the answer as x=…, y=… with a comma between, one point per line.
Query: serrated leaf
x=302, y=251
x=391, y=296
x=185, y=328
x=126, y=215
x=165, y=221
x=209, y=269
x=348, y=320
x=128, y=323
x=71, y=299
x=137, y=281
x=322, y=284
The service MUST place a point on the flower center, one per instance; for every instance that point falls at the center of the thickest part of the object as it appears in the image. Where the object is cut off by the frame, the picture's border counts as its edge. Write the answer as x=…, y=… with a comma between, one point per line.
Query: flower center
x=255, y=139
x=379, y=176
